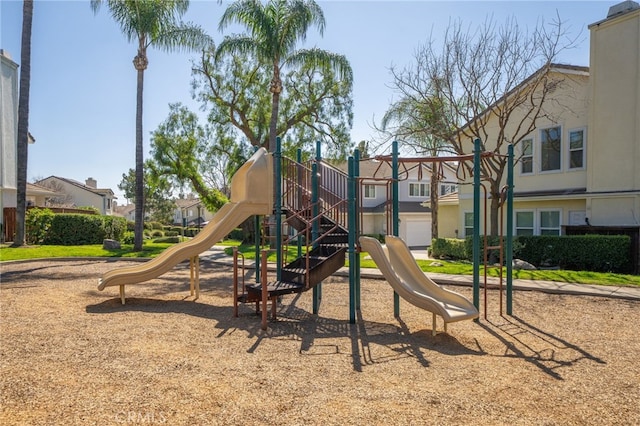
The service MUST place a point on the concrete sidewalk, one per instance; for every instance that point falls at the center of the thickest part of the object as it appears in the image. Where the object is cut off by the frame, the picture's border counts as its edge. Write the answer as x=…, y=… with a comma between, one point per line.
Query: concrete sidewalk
x=216, y=254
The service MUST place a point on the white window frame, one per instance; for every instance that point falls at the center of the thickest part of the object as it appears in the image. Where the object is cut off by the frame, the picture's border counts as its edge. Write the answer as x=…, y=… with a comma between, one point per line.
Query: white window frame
x=537, y=220
x=368, y=191
x=464, y=224
x=448, y=188
x=530, y=156
x=421, y=186
x=541, y=150
x=538, y=215
x=515, y=222
x=583, y=149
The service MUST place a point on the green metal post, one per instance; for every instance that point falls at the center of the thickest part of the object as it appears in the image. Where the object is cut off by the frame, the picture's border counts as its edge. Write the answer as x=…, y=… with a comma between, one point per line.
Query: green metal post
x=509, y=245
x=352, y=242
x=396, y=213
x=299, y=177
x=277, y=158
x=356, y=228
x=256, y=229
x=258, y=243
x=317, y=290
x=314, y=226
x=476, y=223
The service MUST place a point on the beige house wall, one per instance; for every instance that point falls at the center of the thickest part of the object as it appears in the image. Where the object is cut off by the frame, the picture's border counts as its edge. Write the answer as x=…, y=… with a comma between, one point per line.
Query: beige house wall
x=614, y=117
x=448, y=221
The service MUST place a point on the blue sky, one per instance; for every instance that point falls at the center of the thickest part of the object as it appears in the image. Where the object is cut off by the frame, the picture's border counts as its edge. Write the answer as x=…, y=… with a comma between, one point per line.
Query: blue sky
x=83, y=84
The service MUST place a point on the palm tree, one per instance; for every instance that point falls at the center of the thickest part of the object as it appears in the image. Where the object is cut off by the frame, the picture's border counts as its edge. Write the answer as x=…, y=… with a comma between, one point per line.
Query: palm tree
x=23, y=123
x=151, y=23
x=274, y=30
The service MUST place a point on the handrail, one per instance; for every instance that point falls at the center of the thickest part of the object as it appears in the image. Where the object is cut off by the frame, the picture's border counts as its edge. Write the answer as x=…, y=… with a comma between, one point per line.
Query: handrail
x=296, y=199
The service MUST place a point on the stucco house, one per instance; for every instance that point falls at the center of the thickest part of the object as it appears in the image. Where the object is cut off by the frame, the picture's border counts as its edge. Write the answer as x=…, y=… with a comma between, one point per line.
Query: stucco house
x=191, y=212
x=72, y=193
x=8, y=144
x=581, y=169
x=413, y=189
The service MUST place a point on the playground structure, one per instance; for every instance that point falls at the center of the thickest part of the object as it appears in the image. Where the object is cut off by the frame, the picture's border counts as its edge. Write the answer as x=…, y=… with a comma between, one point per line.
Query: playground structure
x=251, y=194
x=401, y=271
x=318, y=206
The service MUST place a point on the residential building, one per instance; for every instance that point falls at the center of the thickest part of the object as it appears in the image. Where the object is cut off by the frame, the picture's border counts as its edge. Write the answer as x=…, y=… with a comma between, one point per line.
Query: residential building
x=191, y=212
x=581, y=166
x=413, y=198
x=76, y=194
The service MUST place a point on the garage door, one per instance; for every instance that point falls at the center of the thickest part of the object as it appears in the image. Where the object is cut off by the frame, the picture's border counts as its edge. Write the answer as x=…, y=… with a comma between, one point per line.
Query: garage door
x=418, y=233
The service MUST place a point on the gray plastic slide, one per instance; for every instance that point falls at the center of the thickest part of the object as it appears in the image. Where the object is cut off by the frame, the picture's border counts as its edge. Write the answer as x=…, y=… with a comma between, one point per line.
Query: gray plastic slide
x=401, y=271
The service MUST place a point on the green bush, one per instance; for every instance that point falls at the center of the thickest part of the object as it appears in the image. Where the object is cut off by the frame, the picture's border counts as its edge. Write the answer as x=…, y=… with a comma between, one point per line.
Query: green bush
x=171, y=233
x=45, y=227
x=128, y=238
x=131, y=225
x=155, y=225
x=157, y=233
x=449, y=248
x=37, y=224
x=171, y=240
x=599, y=253
x=237, y=234
x=114, y=227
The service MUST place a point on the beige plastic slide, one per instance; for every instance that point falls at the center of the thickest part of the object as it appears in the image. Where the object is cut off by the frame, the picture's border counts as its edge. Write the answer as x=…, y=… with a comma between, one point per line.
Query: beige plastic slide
x=251, y=194
x=400, y=269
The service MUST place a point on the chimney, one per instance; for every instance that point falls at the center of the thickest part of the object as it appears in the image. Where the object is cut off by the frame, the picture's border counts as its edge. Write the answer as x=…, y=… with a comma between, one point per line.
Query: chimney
x=91, y=183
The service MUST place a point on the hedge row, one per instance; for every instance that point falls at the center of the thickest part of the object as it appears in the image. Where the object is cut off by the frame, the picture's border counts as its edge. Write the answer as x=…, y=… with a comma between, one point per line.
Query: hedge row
x=600, y=253
x=45, y=227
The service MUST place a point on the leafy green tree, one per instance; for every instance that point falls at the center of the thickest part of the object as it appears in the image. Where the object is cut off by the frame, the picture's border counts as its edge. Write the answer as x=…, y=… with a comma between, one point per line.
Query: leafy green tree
x=178, y=147
x=416, y=124
x=158, y=192
x=274, y=30
x=23, y=123
x=151, y=23
x=317, y=104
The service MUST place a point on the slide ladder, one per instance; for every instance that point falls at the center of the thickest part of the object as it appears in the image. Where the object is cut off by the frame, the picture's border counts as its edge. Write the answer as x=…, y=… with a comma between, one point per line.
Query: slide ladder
x=316, y=218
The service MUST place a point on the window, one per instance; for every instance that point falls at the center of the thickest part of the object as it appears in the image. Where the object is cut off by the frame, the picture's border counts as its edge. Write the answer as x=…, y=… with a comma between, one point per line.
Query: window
x=526, y=161
x=524, y=223
x=369, y=191
x=550, y=154
x=418, y=190
x=448, y=188
x=550, y=222
x=576, y=149
x=547, y=223
x=468, y=224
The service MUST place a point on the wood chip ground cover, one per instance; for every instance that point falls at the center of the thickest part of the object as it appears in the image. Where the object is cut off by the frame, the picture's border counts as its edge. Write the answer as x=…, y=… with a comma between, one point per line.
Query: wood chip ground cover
x=70, y=354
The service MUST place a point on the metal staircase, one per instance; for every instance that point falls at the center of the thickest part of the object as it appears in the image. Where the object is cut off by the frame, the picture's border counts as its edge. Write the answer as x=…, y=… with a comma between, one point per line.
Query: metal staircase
x=314, y=202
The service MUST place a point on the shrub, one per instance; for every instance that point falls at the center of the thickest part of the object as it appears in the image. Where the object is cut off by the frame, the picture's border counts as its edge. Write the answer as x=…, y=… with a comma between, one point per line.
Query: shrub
x=157, y=233
x=114, y=227
x=45, y=227
x=131, y=225
x=449, y=248
x=75, y=229
x=128, y=238
x=171, y=240
x=171, y=234
x=155, y=225
x=237, y=234
x=600, y=253
x=37, y=225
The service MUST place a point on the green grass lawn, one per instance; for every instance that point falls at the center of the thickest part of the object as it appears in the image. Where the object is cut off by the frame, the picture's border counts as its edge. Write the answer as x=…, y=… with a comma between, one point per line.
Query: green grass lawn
x=151, y=249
